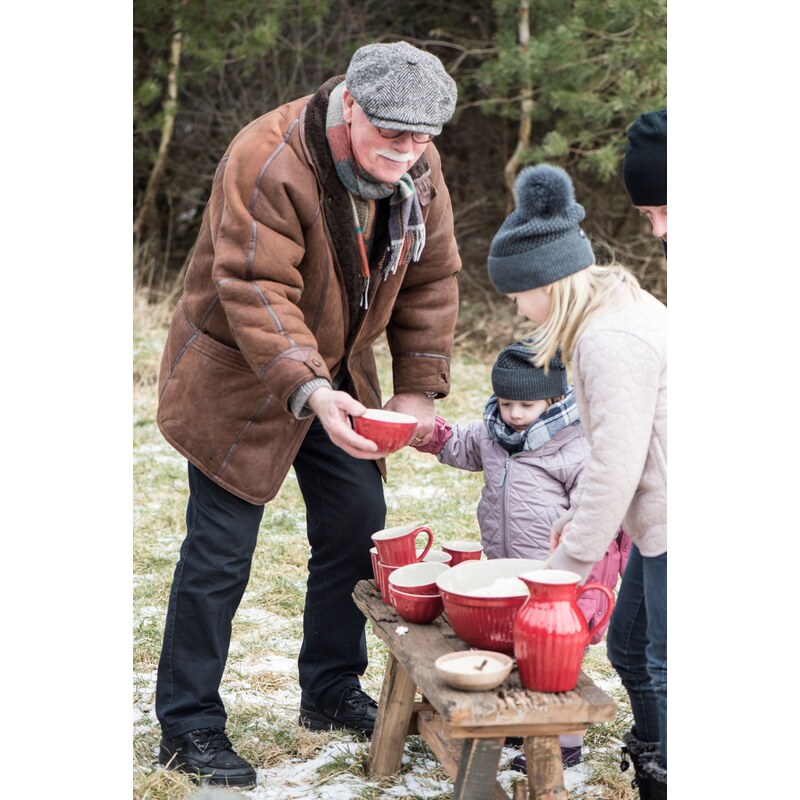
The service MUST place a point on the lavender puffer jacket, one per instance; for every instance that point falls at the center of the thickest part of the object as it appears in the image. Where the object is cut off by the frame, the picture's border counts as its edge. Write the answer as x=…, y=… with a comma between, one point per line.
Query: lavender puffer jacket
x=524, y=494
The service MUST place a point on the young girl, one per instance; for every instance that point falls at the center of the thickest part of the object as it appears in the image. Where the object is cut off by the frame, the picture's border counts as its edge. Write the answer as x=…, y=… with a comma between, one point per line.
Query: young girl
x=613, y=336
x=531, y=449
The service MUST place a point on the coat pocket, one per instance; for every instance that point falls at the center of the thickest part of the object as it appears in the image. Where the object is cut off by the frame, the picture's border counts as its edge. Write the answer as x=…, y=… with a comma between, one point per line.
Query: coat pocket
x=211, y=402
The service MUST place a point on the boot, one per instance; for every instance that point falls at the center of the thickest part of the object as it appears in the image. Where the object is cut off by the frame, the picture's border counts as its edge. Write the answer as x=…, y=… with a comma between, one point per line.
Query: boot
x=656, y=774
x=209, y=754
x=641, y=753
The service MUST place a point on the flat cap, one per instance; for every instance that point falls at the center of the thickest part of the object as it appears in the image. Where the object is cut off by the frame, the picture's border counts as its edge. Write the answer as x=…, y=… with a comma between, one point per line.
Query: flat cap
x=401, y=87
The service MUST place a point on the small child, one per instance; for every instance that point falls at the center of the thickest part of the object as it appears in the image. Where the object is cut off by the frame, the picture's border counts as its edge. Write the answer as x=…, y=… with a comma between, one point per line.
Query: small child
x=531, y=448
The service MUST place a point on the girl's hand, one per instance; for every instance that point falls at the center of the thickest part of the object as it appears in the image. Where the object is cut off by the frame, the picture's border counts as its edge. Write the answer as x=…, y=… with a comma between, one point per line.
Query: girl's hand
x=555, y=536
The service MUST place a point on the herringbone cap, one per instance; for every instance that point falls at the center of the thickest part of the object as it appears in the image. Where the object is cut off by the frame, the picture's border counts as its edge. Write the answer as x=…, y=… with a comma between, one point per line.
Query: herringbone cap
x=401, y=87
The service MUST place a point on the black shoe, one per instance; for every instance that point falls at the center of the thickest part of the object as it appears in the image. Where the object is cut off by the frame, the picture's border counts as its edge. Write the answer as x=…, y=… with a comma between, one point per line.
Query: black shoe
x=353, y=709
x=519, y=765
x=570, y=757
x=209, y=754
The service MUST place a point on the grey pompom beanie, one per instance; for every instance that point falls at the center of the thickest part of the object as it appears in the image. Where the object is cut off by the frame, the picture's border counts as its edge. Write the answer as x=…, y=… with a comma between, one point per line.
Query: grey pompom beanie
x=540, y=242
x=644, y=168
x=514, y=377
x=401, y=87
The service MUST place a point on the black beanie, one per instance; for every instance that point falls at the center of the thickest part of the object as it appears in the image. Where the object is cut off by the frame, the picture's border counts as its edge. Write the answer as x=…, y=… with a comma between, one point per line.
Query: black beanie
x=514, y=377
x=644, y=168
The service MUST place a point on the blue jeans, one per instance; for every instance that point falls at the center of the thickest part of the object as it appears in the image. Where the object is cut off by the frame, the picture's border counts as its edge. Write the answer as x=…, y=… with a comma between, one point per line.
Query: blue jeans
x=344, y=507
x=637, y=644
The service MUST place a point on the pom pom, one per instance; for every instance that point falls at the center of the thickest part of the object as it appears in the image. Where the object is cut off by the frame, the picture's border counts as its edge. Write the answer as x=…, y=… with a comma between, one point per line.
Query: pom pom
x=543, y=191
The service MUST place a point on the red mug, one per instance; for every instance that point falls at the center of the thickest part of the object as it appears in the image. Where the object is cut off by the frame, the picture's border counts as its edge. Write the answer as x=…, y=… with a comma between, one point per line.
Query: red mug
x=397, y=546
x=373, y=554
x=384, y=571
x=463, y=551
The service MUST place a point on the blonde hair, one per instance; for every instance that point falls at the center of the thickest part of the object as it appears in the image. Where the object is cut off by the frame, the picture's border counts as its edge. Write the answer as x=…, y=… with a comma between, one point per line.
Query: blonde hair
x=575, y=300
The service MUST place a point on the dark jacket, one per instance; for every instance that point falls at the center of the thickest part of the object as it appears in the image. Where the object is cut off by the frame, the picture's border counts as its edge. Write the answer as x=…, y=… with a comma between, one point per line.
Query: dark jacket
x=271, y=300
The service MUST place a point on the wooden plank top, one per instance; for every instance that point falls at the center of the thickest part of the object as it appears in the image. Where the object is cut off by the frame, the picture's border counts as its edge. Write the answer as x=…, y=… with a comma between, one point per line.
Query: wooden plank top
x=510, y=704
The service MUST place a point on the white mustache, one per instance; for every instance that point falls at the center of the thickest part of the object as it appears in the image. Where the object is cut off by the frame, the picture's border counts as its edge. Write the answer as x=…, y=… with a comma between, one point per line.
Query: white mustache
x=393, y=155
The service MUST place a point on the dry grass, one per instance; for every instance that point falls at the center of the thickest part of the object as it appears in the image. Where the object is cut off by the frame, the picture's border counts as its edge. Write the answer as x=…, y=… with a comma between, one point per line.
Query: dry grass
x=260, y=683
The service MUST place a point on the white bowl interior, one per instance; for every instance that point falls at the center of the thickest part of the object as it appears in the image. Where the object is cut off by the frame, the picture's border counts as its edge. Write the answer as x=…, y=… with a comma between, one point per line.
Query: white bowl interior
x=395, y=417
x=393, y=533
x=463, y=546
x=553, y=577
x=435, y=555
x=469, y=576
x=417, y=574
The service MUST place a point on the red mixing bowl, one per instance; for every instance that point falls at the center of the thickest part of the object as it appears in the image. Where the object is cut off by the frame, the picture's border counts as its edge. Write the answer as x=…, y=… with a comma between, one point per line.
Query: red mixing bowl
x=486, y=622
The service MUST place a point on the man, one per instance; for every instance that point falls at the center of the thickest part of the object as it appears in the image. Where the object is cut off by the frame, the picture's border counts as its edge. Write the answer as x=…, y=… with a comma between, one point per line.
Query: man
x=644, y=169
x=329, y=223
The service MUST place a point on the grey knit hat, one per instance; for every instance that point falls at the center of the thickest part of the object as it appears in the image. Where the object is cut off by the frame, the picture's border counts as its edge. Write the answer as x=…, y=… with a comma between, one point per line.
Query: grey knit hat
x=540, y=242
x=514, y=377
x=401, y=87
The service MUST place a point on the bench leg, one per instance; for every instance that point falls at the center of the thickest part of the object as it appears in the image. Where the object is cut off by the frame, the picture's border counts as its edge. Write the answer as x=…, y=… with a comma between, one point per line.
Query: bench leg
x=545, y=771
x=394, y=715
x=477, y=772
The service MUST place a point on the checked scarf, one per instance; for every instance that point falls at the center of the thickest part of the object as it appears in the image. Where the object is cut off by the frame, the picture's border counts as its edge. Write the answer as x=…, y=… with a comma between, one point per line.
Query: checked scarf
x=539, y=432
x=406, y=227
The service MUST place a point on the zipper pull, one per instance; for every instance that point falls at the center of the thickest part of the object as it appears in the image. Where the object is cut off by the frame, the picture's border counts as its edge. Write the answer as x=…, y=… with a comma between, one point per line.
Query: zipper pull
x=364, y=292
x=505, y=471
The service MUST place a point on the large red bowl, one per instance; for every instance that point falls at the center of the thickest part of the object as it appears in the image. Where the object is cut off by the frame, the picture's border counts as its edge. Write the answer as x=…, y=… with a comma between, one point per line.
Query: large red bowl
x=486, y=621
x=388, y=429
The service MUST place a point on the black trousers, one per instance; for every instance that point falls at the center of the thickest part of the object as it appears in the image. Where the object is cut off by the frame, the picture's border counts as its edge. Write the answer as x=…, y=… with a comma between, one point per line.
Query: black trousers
x=344, y=506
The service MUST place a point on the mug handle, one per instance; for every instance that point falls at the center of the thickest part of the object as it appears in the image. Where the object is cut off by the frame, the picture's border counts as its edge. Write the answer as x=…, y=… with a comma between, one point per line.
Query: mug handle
x=606, y=591
x=429, y=532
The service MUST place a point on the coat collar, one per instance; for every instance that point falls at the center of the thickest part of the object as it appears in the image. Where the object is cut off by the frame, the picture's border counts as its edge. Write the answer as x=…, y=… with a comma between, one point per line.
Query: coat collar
x=335, y=202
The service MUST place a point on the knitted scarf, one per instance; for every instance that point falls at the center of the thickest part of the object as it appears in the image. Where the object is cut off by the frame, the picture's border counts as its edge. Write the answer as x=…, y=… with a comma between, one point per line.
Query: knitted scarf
x=539, y=432
x=406, y=227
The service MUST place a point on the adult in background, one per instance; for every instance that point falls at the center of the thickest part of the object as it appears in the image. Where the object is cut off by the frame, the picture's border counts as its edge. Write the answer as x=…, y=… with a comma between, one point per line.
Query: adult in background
x=329, y=222
x=644, y=169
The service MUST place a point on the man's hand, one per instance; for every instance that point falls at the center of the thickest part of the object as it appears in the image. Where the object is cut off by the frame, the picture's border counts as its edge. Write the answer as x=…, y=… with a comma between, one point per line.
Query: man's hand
x=333, y=409
x=418, y=405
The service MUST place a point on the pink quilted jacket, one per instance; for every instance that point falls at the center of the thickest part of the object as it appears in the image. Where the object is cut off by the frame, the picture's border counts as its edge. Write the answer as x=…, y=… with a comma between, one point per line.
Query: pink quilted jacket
x=606, y=571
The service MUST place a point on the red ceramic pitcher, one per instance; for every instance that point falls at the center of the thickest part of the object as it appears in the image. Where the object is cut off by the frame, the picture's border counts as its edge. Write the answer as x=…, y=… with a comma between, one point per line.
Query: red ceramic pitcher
x=550, y=633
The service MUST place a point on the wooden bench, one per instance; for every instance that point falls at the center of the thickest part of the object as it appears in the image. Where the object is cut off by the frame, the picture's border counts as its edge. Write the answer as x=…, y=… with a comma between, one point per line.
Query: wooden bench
x=467, y=730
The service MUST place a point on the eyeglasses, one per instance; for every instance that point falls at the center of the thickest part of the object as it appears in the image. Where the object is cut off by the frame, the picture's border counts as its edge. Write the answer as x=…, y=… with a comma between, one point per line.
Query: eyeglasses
x=419, y=138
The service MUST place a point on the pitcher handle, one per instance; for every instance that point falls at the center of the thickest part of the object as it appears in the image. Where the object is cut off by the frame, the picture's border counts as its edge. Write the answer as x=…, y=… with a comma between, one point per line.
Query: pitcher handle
x=429, y=532
x=606, y=591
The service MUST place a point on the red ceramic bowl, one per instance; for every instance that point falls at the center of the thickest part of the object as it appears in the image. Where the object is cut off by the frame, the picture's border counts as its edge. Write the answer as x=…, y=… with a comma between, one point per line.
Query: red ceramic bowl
x=417, y=608
x=388, y=429
x=481, y=600
x=419, y=578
